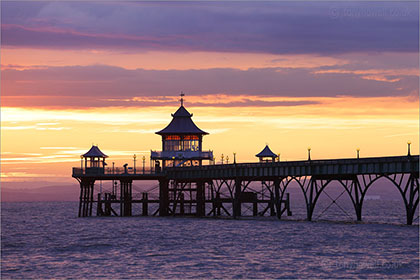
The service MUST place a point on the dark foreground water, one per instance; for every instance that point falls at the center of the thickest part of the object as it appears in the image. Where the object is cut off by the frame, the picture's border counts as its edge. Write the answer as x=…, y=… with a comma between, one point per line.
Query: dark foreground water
x=46, y=240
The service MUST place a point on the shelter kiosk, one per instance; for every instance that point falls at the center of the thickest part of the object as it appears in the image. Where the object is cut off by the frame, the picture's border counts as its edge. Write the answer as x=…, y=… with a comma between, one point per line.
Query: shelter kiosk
x=266, y=155
x=94, y=161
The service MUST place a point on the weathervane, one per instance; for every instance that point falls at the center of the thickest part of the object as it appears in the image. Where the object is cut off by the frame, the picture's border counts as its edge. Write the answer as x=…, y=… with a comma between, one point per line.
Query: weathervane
x=182, y=98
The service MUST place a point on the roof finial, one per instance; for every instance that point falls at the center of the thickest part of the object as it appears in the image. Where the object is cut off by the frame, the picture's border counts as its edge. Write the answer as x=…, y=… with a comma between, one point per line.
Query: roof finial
x=182, y=98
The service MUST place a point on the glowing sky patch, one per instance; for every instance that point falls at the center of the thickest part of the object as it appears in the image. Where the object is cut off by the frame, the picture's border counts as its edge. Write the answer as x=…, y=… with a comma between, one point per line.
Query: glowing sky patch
x=289, y=74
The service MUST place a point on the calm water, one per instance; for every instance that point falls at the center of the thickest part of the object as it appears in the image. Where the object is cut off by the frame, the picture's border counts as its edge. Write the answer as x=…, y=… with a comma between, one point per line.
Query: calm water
x=46, y=240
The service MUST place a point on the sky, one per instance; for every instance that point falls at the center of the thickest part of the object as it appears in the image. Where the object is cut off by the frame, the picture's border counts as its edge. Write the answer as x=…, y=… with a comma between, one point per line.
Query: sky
x=333, y=76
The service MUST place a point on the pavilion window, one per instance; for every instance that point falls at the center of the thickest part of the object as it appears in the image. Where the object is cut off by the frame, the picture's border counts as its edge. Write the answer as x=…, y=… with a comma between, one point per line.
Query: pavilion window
x=172, y=143
x=191, y=143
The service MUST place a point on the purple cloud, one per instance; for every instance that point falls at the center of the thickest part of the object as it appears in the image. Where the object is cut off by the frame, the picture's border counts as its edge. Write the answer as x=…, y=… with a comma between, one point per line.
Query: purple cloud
x=92, y=85
x=268, y=27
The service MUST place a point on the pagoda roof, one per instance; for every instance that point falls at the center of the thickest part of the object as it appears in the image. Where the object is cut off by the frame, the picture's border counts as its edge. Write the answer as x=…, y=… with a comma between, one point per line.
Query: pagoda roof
x=94, y=152
x=181, y=124
x=266, y=152
x=182, y=112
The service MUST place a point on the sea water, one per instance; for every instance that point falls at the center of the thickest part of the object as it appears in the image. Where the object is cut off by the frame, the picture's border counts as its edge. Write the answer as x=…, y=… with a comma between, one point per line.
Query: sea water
x=47, y=240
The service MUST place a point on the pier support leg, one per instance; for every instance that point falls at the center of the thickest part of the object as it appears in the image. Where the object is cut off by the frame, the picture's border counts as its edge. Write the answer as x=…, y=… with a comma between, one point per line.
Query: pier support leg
x=218, y=204
x=255, y=209
x=358, y=199
x=412, y=200
x=125, y=198
x=200, y=199
x=313, y=195
x=277, y=198
x=272, y=203
x=145, y=204
x=99, y=211
x=85, y=207
x=163, y=197
x=107, y=204
x=181, y=204
x=237, y=199
x=90, y=201
x=289, y=212
x=80, y=199
x=86, y=197
x=121, y=200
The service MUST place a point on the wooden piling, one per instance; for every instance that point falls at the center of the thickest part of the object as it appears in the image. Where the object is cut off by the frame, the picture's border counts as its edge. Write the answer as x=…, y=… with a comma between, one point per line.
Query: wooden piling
x=80, y=199
x=255, y=208
x=289, y=212
x=90, y=199
x=200, y=199
x=237, y=199
x=163, y=197
x=145, y=204
x=121, y=200
x=277, y=201
x=181, y=204
x=99, y=211
x=218, y=204
x=272, y=208
x=107, y=204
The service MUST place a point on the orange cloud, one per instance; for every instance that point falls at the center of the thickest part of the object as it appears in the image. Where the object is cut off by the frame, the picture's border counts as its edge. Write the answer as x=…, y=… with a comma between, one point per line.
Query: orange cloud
x=379, y=126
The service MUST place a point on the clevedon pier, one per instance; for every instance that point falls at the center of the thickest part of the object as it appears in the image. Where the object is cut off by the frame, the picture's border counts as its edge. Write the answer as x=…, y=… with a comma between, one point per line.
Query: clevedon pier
x=189, y=182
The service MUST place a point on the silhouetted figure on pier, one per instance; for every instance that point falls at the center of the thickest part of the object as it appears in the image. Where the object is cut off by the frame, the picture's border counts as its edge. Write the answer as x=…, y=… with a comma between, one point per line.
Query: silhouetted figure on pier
x=157, y=167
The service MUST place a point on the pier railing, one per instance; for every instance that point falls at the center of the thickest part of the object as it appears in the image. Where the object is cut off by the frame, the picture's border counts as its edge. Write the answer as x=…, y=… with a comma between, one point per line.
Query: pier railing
x=374, y=165
x=112, y=171
x=398, y=164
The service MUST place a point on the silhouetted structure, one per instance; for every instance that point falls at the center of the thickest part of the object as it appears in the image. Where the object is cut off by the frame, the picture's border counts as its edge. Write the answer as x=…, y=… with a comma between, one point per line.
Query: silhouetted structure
x=94, y=159
x=266, y=155
x=186, y=187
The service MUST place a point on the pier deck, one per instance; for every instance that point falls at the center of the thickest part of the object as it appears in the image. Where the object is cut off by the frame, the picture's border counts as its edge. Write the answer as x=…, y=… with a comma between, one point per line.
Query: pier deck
x=179, y=186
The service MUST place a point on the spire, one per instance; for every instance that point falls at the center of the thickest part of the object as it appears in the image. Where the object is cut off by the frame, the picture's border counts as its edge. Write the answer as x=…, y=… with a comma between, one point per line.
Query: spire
x=182, y=98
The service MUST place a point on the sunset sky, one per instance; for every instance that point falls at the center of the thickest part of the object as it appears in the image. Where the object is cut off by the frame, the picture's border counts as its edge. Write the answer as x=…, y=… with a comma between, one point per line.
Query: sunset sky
x=329, y=75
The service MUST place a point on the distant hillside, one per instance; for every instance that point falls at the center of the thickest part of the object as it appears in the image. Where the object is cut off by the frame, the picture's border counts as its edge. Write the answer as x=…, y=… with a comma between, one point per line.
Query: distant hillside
x=49, y=193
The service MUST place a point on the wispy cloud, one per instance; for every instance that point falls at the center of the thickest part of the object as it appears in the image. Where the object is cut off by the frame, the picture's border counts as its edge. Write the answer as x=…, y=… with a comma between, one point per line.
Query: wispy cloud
x=59, y=148
x=402, y=134
x=37, y=126
x=105, y=86
x=8, y=175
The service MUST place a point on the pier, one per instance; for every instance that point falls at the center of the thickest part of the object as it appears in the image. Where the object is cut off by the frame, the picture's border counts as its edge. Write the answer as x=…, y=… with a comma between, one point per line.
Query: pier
x=188, y=187
x=204, y=185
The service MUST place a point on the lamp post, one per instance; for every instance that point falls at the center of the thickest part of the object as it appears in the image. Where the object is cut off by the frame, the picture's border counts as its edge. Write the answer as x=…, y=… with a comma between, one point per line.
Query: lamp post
x=409, y=144
x=134, y=157
x=113, y=164
x=227, y=159
x=173, y=161
x=278, y=157
x=358, y=150
x=81, y=164
x=234, y=158
x=144, y=160
x=309, y=153
x=222, y=158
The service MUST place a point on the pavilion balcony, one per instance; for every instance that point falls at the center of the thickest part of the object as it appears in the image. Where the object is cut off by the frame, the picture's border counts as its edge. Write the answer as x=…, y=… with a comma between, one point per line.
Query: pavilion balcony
x=181, y=155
